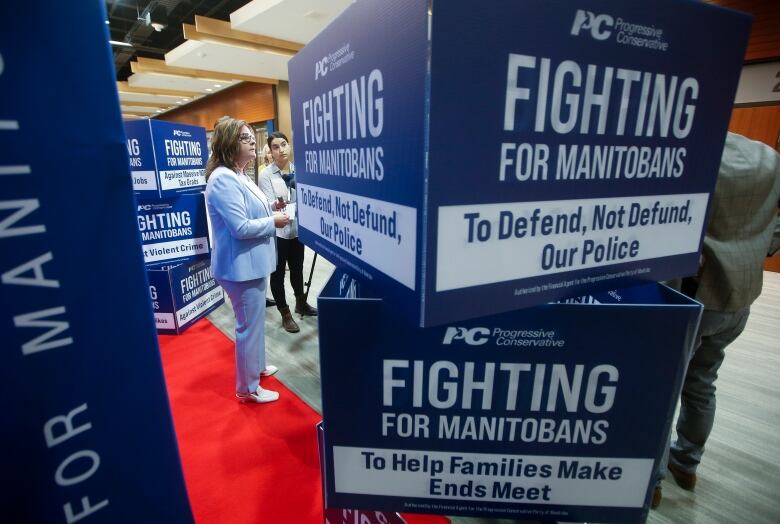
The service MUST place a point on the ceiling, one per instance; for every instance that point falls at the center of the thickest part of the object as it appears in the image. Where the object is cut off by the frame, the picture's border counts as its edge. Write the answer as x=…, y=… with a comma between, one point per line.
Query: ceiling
x=177, y=51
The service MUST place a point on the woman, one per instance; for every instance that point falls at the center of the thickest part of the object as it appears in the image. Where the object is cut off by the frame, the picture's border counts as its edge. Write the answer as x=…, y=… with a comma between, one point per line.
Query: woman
x=267, y=158
x=243, y=228
x=277, y=182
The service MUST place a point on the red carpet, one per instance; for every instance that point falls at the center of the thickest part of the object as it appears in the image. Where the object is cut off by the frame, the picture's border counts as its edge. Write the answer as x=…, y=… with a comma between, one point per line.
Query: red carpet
x=253, y=463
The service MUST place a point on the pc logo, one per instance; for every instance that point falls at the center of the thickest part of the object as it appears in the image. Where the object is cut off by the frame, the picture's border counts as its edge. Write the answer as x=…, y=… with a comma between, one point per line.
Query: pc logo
x=473, y=337
x=593, y=22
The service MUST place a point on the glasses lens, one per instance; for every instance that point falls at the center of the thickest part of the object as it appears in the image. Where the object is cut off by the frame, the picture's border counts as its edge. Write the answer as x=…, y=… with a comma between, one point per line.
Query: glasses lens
x=246, y=139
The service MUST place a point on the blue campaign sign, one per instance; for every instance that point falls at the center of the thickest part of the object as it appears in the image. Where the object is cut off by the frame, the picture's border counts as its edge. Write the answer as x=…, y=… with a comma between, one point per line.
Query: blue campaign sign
x=87, y=431
x=166, y=158
x=182, y=294
x=173, y=230
x=161, y=296
x=555, y=412
x=593, y=144
x=143, y=167
x=357, y=94
x=181, y=153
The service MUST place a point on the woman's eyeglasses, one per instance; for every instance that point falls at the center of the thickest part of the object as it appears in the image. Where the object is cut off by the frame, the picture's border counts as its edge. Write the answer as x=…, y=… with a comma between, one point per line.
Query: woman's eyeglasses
x=245, y=138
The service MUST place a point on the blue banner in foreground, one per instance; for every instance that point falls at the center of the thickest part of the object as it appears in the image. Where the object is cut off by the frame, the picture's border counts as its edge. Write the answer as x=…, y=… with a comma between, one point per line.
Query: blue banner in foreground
x=583, y=158
x=556, y=412
x=87, y=434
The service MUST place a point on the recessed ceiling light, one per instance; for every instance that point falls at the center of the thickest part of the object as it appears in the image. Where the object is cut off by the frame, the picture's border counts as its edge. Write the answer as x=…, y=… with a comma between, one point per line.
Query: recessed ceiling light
x=158, y=110
x=217, y=85
x=107, y=22
x=209, y=89
x=179, y=102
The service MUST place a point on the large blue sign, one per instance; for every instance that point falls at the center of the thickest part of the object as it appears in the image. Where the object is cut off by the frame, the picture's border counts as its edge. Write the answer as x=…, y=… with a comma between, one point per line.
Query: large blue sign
x=173, y=230
x=556, y=412
x=576, y=148
x=87, y=433
x=166, y=158
x=358, y=100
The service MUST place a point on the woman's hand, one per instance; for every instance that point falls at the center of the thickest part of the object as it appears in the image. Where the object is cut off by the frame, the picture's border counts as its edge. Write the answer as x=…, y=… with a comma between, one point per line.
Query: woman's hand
x=278, y=204
x=281, y=219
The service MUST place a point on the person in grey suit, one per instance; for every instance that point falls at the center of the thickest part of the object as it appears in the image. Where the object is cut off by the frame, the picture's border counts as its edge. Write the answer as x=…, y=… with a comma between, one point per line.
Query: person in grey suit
x=243, y=254
x=743, y=220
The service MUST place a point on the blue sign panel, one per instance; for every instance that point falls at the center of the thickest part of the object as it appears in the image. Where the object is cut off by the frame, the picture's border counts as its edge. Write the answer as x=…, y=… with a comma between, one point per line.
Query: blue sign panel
x=593, y=141
x=556, y=412
x=87, y=431
x=357, y=94
x=173, y=230
x=140, y=151
x=166, y=158
x=183, y=294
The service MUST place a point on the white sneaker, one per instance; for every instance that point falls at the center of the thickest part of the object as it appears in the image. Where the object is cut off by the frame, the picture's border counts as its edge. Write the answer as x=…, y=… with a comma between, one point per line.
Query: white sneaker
x=268, y=371
x=260, y=396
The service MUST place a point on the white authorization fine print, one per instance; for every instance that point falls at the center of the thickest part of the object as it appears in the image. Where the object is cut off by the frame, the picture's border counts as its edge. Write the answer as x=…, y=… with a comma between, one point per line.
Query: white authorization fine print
x=514, y=241
x=382, y=234
x=576, y=481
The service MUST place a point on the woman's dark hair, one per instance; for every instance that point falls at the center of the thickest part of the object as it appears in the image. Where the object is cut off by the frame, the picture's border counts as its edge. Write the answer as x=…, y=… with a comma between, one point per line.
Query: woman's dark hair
x=224, y=144
x=276, y=134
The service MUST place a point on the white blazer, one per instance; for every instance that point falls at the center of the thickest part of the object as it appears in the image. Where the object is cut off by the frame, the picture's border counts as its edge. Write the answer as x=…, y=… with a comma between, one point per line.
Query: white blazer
x=242, y=227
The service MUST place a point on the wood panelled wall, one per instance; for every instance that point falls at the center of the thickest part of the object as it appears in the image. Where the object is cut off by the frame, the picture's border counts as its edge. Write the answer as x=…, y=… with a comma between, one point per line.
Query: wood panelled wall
x=764, y=41
x=246, y=101
x=760, y=123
